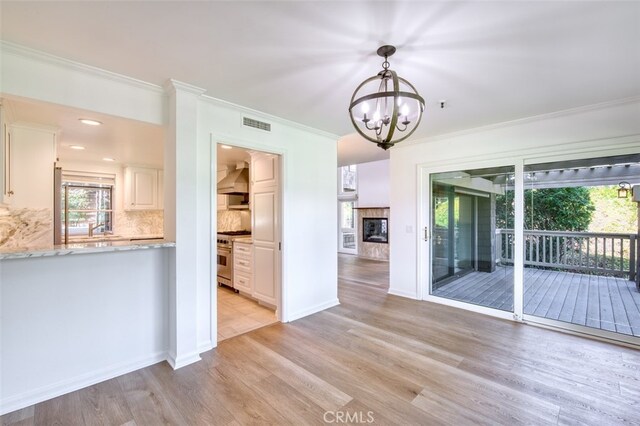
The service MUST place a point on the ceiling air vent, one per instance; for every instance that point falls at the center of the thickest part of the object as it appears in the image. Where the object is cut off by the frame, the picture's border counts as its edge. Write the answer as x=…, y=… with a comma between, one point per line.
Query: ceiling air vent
x=261, y=125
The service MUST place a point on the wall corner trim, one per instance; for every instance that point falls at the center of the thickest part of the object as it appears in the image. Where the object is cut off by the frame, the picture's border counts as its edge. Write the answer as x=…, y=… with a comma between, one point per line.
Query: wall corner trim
x=183, y=360
x=206, y=346
x=312, y=310
x=403, y=293
x=171, y=86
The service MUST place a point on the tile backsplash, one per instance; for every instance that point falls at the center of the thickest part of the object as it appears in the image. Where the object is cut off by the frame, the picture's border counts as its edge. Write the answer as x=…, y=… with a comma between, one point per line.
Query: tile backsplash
x=25, y=228
x=139, y=222
x=33, y=228
x=234, y=220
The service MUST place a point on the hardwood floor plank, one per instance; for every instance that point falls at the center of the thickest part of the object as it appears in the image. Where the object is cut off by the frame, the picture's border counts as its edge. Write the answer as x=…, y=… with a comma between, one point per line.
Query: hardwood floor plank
x=104, y=403
x=63, y=410
x=404, y=362
x=147, y=403
x=22, y=417
x=320, y=392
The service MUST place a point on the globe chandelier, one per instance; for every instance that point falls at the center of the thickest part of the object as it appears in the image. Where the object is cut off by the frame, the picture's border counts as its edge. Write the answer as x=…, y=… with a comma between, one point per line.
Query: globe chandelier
x=386, y=109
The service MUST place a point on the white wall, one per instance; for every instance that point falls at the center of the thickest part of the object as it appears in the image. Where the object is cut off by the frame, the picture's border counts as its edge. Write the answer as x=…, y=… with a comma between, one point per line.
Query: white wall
x=599, y=130
x=309, y=223
x=373, y=184
x=309, y=215
x=37, y=75
x=70, y=321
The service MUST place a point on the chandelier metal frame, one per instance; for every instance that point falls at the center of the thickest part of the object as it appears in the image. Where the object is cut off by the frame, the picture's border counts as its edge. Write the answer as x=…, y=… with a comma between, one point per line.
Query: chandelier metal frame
x=390, y=122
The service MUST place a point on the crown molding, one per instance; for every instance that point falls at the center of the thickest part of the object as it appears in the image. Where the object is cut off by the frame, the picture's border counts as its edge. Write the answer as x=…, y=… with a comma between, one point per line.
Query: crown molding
x=18, y=50
x=521, y=121
x=172, y=86
x=35, y=126
x=252, y=113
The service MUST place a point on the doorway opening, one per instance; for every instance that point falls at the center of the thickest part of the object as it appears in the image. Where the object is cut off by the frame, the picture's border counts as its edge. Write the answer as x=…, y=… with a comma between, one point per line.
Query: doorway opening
x=248, y=240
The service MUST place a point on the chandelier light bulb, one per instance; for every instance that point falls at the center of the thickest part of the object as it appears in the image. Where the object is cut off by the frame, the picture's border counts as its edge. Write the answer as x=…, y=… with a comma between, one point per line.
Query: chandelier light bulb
x=404, y=110
x=365, y=107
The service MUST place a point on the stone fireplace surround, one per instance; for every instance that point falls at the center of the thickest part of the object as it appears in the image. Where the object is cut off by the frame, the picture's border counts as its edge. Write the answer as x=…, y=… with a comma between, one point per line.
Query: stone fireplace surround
x=368, y=250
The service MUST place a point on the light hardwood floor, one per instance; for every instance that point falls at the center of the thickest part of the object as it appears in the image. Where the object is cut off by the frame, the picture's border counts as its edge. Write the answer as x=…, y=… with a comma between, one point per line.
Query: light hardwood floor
x=406, y=362
x=238, y=314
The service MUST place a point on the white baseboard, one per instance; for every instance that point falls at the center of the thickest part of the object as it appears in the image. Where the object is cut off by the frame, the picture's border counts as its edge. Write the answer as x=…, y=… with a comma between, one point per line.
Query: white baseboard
x=403, y=293
x=183, y=360
x=313, y=310
x=44, y=393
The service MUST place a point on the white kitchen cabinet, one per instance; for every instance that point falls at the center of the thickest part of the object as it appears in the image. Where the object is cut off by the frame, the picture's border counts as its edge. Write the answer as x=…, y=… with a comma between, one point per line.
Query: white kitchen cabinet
x=243, y=266
x=30, y=160
x=160, y=189
x=142, y=188
x=265, y=226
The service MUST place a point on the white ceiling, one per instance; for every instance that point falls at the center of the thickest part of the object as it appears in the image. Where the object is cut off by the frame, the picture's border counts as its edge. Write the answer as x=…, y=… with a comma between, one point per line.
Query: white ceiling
x=126, y=141
x=492, y=61
x=231, y=157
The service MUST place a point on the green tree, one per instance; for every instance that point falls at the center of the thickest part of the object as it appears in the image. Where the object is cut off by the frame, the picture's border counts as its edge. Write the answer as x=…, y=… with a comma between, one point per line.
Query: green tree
x=612, y=214
x=549, y=209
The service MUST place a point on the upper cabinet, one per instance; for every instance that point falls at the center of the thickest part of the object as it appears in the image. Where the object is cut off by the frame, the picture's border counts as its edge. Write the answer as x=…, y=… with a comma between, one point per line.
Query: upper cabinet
x=29, y=155
x=143, y=188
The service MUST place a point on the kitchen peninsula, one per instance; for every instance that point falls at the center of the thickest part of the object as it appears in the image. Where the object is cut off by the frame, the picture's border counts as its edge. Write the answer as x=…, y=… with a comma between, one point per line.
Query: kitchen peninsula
x=85, y=248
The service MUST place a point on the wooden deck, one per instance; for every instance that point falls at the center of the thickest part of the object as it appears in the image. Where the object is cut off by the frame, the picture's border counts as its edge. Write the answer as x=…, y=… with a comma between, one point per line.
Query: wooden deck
x=606, y=303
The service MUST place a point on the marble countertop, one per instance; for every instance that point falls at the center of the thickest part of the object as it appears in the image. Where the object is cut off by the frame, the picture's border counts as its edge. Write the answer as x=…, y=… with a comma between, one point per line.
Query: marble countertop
x=245, y=240
x=84, y=248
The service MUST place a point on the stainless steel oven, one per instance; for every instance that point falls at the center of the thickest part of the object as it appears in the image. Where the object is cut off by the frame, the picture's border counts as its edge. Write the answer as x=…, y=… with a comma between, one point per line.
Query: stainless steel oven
x=225, y=265
x=225, y=256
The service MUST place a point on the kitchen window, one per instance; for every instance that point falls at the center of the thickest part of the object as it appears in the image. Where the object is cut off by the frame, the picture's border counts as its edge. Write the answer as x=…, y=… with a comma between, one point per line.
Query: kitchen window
x=87, y=206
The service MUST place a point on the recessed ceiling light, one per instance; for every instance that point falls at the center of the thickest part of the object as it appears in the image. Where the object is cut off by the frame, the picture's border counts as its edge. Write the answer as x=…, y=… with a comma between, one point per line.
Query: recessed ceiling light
x=226, y=147
x=90, y=122
x=78, y=147
x=109, y=159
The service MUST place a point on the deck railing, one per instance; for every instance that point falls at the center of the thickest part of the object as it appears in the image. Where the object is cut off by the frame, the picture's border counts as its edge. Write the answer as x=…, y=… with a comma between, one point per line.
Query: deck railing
x=597, y=253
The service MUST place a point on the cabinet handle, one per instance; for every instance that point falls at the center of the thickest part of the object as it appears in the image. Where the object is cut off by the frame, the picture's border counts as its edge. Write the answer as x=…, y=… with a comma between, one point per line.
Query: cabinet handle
x=426, y=233
x=9, y=163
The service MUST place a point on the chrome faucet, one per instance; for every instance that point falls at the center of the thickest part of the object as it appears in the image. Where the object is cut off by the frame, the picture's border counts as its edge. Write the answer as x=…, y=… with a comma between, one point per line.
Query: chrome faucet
x=92, y=228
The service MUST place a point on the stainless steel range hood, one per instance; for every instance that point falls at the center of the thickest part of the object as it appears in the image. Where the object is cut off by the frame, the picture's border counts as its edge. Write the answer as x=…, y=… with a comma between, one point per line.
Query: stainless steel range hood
x=236, y=182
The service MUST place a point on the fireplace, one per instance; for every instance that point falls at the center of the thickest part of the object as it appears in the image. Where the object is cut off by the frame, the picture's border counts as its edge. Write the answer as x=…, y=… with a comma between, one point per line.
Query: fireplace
x=375, y=230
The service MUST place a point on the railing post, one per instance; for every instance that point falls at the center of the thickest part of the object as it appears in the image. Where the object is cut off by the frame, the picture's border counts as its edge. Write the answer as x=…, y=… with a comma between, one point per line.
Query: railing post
x=632, y=258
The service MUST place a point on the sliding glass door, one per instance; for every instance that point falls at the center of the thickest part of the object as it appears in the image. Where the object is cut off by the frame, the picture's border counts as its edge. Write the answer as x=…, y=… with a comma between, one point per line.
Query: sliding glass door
x=580, y=244
x=472, y=219
x=576, y=264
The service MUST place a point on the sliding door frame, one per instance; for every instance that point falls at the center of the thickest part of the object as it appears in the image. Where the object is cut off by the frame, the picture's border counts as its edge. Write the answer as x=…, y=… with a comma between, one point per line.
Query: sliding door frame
x=425, y=233
x=567, y=326
x=571, y=151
